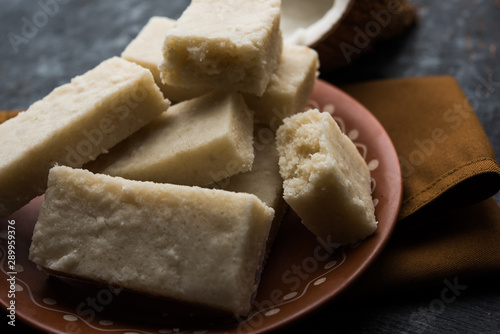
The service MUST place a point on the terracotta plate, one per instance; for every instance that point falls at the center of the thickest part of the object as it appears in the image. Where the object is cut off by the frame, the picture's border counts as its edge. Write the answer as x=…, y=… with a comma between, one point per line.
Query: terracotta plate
x=301, y=275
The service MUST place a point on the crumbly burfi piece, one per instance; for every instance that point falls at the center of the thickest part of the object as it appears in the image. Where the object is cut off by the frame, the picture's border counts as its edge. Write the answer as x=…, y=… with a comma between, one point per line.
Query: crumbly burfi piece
x=146, y=50
x=224, y=44
x=197, y=142
x=289, y=88
x=326, y=181
x=73, y=125
x=192, y=244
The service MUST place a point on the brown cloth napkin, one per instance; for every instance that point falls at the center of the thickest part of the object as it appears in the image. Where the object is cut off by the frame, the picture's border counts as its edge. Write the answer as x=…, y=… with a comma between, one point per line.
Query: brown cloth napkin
x=5, y=115
x=449, y=227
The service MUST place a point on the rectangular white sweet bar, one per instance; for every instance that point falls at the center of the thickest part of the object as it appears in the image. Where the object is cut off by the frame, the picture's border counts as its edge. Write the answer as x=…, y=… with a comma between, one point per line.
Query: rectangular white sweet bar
x=326, y=181
x=146, y=50
x=192, y=244
x=73, y=125
x=289, y=88
x=197, y=142
x=224, y=44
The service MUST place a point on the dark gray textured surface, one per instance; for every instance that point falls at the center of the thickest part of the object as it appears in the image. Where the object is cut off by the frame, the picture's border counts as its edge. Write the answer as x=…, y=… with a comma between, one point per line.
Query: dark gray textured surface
x=456, y=37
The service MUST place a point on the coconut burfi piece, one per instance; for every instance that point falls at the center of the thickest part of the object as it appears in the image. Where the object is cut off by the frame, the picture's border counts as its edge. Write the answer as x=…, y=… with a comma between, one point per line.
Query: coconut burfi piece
x=224, y=44
x=289, y=88
x=264, y=180
x=146, y=50
x=197, y=142
x=73, y=125
x=191, y=244
x=326, y=181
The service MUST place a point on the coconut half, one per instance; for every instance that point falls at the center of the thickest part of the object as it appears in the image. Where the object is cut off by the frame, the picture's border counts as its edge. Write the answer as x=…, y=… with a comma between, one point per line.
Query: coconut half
x=308, y=22
x=334, y=28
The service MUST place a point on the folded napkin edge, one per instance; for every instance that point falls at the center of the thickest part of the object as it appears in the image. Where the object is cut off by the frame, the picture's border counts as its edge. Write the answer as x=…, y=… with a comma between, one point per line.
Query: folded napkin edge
x=483, y=174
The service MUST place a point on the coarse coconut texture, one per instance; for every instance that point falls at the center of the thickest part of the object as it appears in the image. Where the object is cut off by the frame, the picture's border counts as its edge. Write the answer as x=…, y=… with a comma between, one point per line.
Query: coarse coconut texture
x=73, y=125
x=326, y=181
x=146, y=50
x=343, y=30
x=196, y=245
x=197, y=142
x=224, y=44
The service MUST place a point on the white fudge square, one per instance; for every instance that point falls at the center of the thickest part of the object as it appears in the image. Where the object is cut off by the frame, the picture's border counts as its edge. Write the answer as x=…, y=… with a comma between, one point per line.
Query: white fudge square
x=224, y=44
x=326, y=181
x=146, y=50
x=196, y=142
x=73, y=125
x=191, y=244
x=289, y=88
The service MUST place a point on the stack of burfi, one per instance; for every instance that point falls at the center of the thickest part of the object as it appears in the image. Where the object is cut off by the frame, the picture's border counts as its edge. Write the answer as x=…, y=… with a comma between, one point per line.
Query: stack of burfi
x=287, y=89
x=146, y=215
